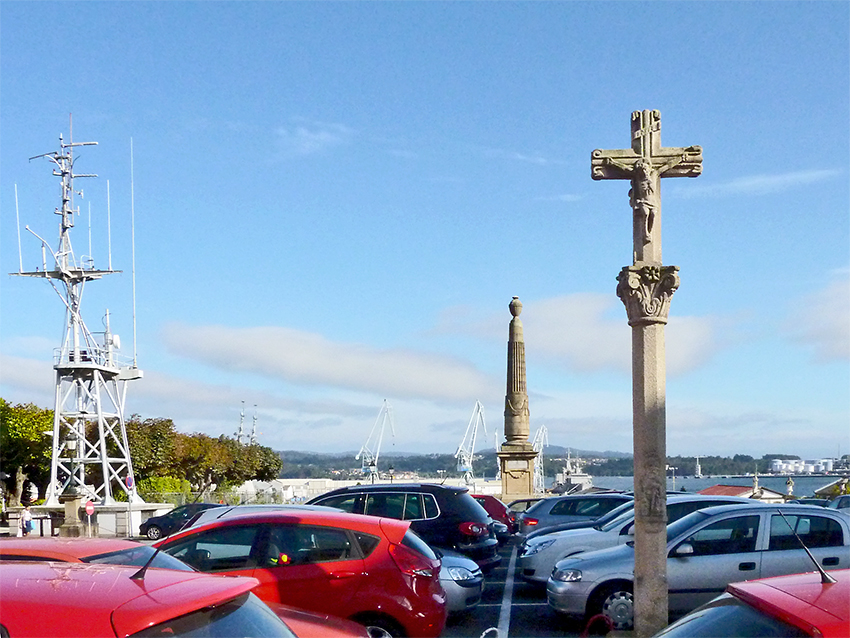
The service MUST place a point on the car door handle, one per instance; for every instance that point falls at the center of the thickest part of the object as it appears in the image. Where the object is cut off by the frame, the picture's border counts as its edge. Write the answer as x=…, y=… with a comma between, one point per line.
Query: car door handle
x=338, y=575
x=830, y=561
x=746, y=567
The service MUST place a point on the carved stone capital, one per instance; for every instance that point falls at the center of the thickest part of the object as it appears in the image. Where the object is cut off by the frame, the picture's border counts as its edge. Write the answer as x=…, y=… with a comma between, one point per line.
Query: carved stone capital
x=646, y=292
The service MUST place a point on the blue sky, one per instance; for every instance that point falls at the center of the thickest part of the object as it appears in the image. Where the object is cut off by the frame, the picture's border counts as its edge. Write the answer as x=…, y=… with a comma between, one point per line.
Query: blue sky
x=335, y=203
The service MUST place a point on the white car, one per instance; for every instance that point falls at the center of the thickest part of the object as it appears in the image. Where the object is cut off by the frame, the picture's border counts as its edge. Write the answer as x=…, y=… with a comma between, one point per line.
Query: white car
x=537, y=556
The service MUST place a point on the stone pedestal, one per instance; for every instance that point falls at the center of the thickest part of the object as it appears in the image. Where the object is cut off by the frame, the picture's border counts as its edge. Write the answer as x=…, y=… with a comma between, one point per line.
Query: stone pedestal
x=72, y=526
x=517, y=471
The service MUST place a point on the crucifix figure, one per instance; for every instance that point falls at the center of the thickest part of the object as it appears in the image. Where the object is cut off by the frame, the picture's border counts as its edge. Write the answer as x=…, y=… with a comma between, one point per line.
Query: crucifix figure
x=644, y=165
x=646, y=288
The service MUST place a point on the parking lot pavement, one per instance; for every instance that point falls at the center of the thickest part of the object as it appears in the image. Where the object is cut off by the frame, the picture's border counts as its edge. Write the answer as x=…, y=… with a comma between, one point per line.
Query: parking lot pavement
x=511, y=608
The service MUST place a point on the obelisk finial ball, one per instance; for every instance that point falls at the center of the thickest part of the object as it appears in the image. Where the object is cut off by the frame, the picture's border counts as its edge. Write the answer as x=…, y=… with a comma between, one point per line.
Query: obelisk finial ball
x=515, y=306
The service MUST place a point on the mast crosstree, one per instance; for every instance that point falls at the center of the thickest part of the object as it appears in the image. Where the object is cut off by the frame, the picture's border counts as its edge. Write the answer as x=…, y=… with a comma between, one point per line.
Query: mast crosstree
x=89, y=432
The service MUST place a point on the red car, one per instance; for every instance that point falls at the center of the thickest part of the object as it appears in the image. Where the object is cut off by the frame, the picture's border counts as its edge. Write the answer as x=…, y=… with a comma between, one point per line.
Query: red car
x=119, y=551
x=782, y=606
x=372, y=570
x=73, y=600
x=498, y=511
x=114, y=551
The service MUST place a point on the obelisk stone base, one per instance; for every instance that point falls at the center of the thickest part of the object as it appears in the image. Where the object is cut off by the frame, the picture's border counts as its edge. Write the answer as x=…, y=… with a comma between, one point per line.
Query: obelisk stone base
x=516, y=462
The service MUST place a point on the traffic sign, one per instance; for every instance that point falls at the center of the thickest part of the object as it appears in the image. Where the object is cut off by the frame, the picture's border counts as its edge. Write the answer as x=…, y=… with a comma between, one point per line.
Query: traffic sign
x=89, y=508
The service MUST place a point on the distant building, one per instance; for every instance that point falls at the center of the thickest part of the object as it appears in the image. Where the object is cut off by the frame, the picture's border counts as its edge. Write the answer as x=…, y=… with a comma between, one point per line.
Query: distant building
x=764, y=494
x=797, y=466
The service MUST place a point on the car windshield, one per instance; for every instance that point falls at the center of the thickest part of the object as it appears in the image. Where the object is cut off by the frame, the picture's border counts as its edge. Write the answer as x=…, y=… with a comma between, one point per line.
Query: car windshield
x=139, y=556
x=685, y=523
x=614, y=513
x=245, y=616
x=616, y=522
x=728, y=616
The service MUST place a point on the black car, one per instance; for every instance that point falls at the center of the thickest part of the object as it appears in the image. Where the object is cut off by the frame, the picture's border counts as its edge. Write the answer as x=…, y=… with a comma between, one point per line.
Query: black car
x=158, y=526
x=446, y=517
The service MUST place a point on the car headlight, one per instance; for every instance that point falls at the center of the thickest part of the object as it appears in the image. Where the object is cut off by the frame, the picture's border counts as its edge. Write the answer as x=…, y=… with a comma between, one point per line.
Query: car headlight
x=460, y=573
x=531, y=550
x=566, y=575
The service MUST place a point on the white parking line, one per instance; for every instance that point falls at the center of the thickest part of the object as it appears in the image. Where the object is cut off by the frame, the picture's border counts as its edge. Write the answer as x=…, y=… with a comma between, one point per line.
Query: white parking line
x=505, y=611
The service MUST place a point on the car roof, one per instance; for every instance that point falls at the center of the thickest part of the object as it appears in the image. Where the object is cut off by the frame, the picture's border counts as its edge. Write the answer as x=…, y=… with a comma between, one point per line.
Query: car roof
x=397, y=487
x=66, y=549
x=802, y=600
x=393, y=528
x=86, y=599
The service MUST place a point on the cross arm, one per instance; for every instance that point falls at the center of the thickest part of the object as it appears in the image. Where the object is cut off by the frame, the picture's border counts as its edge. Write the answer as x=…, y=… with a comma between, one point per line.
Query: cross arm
x=668, y=162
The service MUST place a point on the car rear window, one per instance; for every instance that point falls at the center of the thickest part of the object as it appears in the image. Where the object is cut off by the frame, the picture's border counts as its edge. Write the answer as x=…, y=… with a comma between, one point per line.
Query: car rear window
x=412, y=540
x=245, y=616
x=728, y=616
x=471, y=509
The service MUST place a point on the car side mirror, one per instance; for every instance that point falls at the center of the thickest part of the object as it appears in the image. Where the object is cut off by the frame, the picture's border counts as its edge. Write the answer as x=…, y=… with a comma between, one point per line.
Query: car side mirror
x=684, y=549
x=630, y=530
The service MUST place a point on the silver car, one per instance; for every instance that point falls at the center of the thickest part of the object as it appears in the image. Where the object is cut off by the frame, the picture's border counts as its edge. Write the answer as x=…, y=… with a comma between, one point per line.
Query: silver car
x=537, y=556
x=462, y=581
x=554, y=510
x=706, y=551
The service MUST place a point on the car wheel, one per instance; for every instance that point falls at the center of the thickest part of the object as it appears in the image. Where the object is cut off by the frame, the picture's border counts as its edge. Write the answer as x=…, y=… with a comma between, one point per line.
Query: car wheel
x=618, y=604
x=380, y=627
x=154, y=533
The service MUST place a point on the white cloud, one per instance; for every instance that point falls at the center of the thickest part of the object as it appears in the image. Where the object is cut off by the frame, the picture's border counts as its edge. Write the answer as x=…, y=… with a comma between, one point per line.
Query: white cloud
x=305, y=137
x=821, y=321
x=755, y=184
x=310, y=359
x=29, y=380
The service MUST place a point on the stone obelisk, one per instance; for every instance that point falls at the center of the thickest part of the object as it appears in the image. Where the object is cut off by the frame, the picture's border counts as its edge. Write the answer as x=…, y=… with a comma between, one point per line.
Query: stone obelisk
x=646, y=289
x=516, y=456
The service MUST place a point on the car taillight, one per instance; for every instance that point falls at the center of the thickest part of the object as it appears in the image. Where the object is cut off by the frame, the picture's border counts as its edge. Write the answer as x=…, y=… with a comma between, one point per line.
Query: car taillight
x=530, y=521
x=411, y=562
x=474, y=529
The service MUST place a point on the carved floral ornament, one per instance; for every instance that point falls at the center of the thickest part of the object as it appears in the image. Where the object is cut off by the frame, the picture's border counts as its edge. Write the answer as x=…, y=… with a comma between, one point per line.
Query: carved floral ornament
x=646, y=292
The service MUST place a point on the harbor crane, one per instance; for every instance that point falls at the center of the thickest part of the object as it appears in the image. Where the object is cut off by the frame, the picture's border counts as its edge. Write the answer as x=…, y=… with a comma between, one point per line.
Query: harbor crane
x=368, y=458
x=541, y=439
x=466, y=450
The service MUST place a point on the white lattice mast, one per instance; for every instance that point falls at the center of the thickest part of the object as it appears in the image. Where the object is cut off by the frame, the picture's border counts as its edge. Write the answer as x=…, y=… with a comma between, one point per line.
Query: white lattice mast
x=541, y=439
x=253, y=440
x=89, y=434
x=466, y=450
x=241, y=432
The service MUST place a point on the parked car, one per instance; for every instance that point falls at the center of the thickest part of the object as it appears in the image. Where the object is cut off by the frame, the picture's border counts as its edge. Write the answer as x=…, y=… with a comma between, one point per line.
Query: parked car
x=782, y=606
x=445, y=516
x=840, y=503
x=462, y=581
x=498, y=511
x=822, y=502
x=522, y=504
x=74, y=600
x=225, y=511
x=114, y=551
x=375, y=571
x=706, y=551
x=602, y=520
x=156, y=527
x=537, y=557
x=568, y=509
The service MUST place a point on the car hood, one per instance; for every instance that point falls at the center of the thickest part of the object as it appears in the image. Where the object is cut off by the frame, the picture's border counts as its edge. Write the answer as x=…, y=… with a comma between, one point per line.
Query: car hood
x=611, y=559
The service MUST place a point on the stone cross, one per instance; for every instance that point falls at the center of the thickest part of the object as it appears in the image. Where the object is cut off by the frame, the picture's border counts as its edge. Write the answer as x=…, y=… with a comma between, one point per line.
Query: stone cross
x=646, y=289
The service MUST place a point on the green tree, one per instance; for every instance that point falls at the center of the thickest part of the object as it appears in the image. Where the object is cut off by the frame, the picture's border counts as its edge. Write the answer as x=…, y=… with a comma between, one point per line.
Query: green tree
x=151, y=444
x=25, y=449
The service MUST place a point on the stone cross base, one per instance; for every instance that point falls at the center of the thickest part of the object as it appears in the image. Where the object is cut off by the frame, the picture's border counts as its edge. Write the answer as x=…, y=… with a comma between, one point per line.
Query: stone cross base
x=517, y=471
x=73, y=526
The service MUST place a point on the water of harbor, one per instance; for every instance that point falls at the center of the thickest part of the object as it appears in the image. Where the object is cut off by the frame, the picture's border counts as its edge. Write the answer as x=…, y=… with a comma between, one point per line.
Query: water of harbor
x=803, y=485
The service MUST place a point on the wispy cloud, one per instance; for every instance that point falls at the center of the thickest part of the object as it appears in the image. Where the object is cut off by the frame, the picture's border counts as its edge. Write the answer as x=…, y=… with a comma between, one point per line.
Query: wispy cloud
x=528, y=158
x=821, y=321
x=756, y=184
x=307, y=137
x=310, y=359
